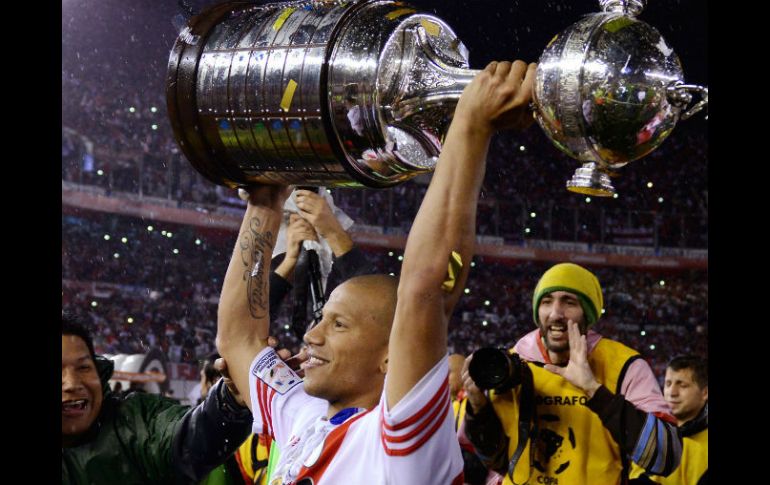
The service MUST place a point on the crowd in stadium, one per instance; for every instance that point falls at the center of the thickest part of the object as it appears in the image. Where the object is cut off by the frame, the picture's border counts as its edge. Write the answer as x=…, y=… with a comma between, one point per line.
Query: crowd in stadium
x=127, y=134
x=170, y=278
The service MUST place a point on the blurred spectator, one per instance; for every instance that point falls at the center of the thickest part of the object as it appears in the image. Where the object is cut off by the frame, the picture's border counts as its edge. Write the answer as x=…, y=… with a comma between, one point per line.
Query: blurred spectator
x=142, y=438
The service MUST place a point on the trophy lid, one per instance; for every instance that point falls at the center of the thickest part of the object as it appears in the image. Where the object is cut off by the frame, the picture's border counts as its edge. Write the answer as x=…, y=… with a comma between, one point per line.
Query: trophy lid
x=626, y=7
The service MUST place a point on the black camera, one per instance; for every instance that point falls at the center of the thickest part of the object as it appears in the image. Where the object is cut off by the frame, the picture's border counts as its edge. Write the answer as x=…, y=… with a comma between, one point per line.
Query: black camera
x=497, y=369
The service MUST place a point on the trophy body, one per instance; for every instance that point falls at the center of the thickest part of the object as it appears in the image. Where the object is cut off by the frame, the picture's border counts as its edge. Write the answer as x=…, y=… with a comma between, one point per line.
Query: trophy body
x=608, y=91
x=314, y=93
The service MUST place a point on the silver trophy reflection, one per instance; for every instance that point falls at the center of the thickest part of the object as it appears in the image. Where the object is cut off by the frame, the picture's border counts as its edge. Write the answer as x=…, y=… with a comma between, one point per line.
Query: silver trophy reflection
x=361, y=93
x=315, y=92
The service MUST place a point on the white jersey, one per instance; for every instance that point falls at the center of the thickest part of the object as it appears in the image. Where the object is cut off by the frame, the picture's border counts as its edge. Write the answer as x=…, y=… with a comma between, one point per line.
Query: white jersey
x=413, y=443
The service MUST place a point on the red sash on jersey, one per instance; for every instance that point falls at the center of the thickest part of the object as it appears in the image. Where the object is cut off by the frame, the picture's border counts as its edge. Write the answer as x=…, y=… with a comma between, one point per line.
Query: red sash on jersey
x=433, y=413
x=265, y=395
x=331, y=444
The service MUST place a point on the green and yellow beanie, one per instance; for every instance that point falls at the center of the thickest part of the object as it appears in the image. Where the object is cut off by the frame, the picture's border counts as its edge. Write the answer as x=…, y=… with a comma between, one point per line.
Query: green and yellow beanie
x=574, y=279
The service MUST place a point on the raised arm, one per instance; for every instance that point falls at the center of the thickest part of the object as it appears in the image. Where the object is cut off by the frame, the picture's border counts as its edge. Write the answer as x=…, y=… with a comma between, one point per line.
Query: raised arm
x=497, y=98
x=243, y=315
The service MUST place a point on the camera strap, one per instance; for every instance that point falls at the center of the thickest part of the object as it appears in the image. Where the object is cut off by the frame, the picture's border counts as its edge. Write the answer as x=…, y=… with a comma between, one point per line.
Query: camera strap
x=527, y=422
x=308, y=282
x=315, y=285
x=299, y=320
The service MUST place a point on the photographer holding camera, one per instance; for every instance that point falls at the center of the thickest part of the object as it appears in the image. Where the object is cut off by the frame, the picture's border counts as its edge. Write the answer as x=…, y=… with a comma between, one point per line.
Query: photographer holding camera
x=567, y=405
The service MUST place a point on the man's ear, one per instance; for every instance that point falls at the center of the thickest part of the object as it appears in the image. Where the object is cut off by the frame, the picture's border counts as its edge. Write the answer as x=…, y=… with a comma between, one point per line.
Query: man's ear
x=384, y=365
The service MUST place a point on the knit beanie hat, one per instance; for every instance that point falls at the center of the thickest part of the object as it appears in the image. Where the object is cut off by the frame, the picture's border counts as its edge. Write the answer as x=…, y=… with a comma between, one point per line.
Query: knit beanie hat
x=574, y=279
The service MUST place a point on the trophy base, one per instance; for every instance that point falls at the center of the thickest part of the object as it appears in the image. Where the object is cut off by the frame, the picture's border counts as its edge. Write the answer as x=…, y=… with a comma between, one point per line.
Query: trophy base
x=591, y=180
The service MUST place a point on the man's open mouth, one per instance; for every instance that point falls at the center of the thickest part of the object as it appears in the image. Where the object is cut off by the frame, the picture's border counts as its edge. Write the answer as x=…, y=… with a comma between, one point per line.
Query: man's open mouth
x=74, y=407
x=313, y=362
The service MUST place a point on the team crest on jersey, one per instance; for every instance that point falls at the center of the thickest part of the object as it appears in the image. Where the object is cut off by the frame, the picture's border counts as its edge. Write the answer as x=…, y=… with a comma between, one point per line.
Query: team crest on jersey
x=274, y=372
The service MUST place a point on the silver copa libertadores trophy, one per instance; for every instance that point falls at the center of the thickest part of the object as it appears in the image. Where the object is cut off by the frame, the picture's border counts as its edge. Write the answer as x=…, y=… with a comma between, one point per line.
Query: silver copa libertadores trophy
x=609, y=90
x=361, y=93
x=327, y=93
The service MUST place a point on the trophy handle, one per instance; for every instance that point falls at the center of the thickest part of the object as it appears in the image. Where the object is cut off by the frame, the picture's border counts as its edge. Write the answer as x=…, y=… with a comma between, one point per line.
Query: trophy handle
x=680, y=95
x=434, y=83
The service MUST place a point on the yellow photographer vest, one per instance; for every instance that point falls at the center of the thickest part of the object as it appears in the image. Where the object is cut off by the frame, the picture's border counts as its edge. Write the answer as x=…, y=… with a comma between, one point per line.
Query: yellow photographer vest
x=566, y=428
x=458, y=408
x=694, y=464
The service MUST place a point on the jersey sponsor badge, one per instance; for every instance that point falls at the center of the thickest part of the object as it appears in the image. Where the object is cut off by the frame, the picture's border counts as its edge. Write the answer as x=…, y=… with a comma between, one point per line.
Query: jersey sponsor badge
x=274, y=372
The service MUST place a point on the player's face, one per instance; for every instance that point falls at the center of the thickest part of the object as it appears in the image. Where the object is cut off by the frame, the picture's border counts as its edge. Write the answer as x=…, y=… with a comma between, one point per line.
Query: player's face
x=347, y=349
x=81, y=389
x=683, y=394
x=554, y=311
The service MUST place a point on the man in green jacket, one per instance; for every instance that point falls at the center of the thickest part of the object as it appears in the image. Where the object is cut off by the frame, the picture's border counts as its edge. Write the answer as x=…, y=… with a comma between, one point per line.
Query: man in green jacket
x=139, y=438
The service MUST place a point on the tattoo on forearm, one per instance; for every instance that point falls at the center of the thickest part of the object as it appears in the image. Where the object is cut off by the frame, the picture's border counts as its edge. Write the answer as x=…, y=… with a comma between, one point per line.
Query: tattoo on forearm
x=254, y=245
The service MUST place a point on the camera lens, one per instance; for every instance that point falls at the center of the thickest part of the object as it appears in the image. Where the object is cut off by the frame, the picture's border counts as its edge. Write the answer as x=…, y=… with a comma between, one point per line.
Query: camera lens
x=490, y=368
